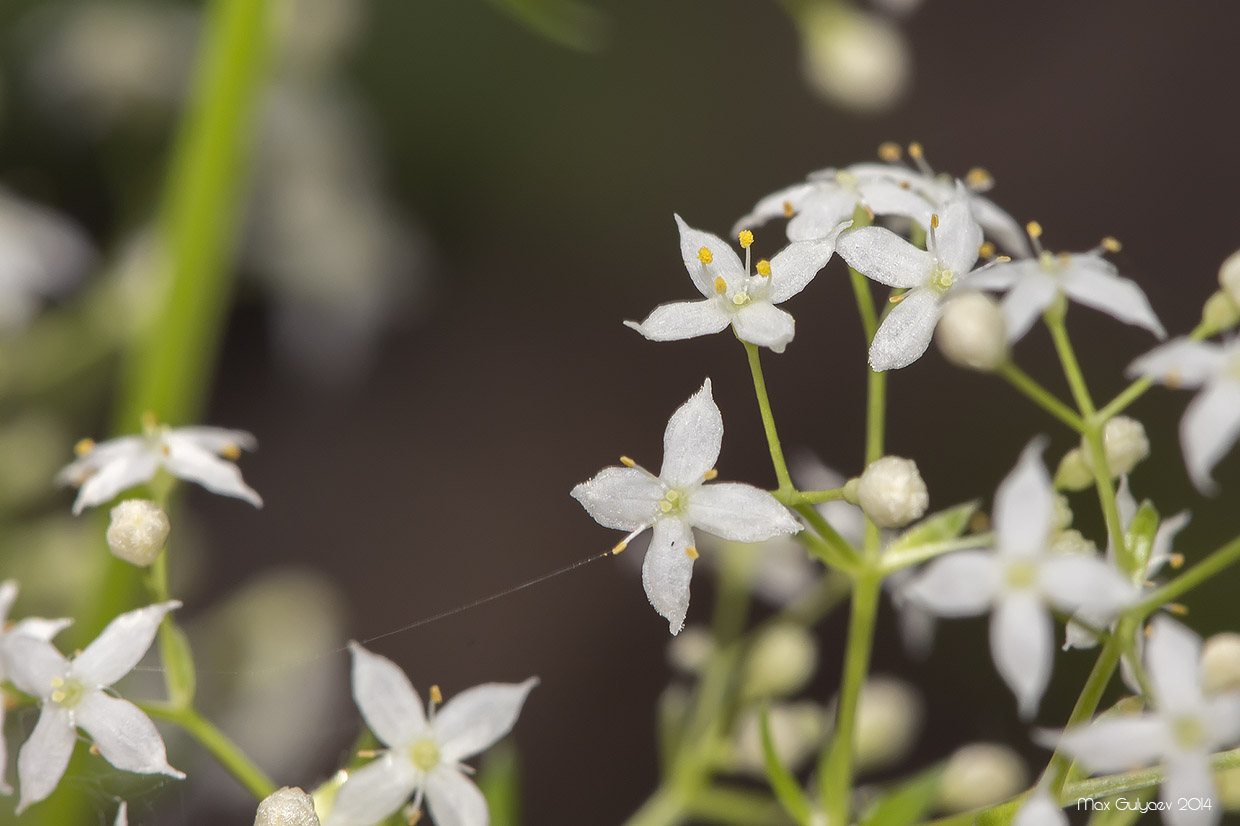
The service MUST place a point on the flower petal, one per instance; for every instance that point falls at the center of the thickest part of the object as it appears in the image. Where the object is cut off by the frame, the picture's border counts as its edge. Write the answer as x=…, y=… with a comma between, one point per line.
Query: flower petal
x=33, y=663
x=821, y=212
x=962, y=584
x=8, y=595
x=123, y=734
x=116, y=475
x=374, y=791
x=1113, y=744
x=1181, y=362
x=454, y=800
x=1189, y=783
x=623, y=498
x=384, y=695
x=958, y=237
x=477, y=718
x=1000, y=226
x=764, y=324
x=1025, y=505
x=1072, y=582
x=1026, y=302
x=683, y=319
x=216, y=439
x=1172, y=658
x=667, y=569
x=1040, y=810
x=120, y=646
x=5, y=788
x=1022, y=642
x=724, y=262
x=45, y=755
x=905, y=333
x=885, y=257
x=692, y=440
x=1164, y=541
x=1001, y=276
x=741, y=513
x=1222, y=711
x=775, y=205
x=1092, y=281
x=886, y=197
x=795, y=265
x=186, y=460
x=1209, y=428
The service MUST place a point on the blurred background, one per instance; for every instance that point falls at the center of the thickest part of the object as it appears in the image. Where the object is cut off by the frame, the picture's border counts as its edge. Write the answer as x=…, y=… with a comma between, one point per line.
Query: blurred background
x=452, y=206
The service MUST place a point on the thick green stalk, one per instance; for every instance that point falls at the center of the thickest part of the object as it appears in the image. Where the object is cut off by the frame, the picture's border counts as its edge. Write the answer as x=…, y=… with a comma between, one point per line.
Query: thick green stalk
x=768, y=420
x=217, y=743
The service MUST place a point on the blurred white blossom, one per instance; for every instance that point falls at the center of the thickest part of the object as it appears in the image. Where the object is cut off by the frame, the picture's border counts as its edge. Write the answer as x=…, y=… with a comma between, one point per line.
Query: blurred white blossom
x=42, y=255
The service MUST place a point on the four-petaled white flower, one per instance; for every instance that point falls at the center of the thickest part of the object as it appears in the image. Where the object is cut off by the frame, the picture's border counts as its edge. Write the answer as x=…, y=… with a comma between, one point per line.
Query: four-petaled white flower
x=733, y=295
x=73, y=695
x=424, y=755
x=1181, y=731
x=1211, y=422
x=1020, y=580
x=1087, y=278
x=952, y=244
x=191, y=453
x=677, y=501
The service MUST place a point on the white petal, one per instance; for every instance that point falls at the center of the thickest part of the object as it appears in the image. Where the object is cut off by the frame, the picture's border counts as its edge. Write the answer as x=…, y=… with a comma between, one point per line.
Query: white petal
x=724, y=262
x=1181, y=362
x=1091, y=281
x=5, y=788
x=373, y=792
x=1164, y=541
x=1222, y=712
x=1026, y=302
x=762, y=323
x=667, y=569
x=795, y=265
x=905, y=333
x=120, y=646
x=43, y=758
x=821, y=212
x=33, y=663
x=1000, y=226
x=454, y=800
x=741, y=513
x=214, y=439
x=684, y=319
x=1209, y=428
x=1022, y=642
x=1025, y=505
x=118, y=474
x=1190, y=783
x=384, y=695
x=1040, y=810
x=123, y=734
x=623, y=498
x=1114, y=744
x=8, y=594
x=39, y=628
x=122, y=814
x=192, y=463
x=1072, y=582
x=79, y=470
x=1172, y=658
x=1002, y=276
x=692, y=440
x=773, y=206
x=478, y=717
x=962, y=584
x=887, y=197
x=885, y=257
x=1125, y=502
x=958, y=238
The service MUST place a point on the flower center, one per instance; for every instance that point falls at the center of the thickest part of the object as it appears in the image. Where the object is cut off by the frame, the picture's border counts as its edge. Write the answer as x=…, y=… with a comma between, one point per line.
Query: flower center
x=425, y=754
x=1021, y=574
x=673, y=502
x=846, y=179
x=66, y=693
x=941, y=280
x=1047, y=261
x=1188, y=732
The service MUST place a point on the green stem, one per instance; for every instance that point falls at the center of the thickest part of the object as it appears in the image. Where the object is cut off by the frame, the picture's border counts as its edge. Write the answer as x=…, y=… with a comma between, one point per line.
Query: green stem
x=217, y=743
x=838, y=552
x=1056, y=773
x=768, y=419
x=895, y=561
x=1096, y=787
x=1216, y=562
x=735, y=807
x=810, y=497
x=1040, y=396
x=665, y=807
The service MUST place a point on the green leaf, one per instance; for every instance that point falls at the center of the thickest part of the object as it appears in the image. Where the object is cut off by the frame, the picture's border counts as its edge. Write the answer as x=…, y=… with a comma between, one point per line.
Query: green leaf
x=938, y=527
x=500, y=781
x=178, y=664
x=566, y=22
x=906, y=804
x=1140, y=539
x=787, y=790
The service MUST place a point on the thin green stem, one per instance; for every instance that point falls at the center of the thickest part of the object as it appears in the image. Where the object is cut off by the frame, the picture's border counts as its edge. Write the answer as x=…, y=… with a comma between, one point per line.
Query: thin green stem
x=810, y=497
x=1096, y=787
x=895, y=561
x=839, y=552
x=218, y=744
x=735, y=807
x=768, y=419
x=1216, y=562
x=1040, y=396
x=1137, y=389
x=666, y=807
x=1056, y=773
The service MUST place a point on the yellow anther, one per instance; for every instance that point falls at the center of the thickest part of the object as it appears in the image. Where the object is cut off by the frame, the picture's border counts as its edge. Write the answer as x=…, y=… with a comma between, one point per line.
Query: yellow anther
x=627, y=462
x=1177, y=608
x=746, y=238
x=705, y=255
x=1176, y=560
x=710, y=474
x=979, y=179
x=672, y=495
x=915, y=150
x=1003, y=259
x=889, y=151
x=721, y=286
x=788, y=210
x=84, y=446
x=905, y=185
x=436, y=695
x=896, y=299
x=691, y=552
x=1064, y=259
x=619, y=549
x=1111, y=244
x=764, y=268
x=230, y=451
x=986, y=250
x=934, y=221
x=94, y=750
x=164, y=449
x=1034, y=229
x=366, y=754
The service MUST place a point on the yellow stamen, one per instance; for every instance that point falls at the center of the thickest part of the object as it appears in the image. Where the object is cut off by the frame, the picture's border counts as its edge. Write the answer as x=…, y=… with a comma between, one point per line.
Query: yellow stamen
x=619, y=549
x=366, y=754
x=231, y=452
x=889, y=151
x=691, y=552
x=764, y=268
x=627, y=462
x=164, y=449
x=1003, y=259
x=915, y=150
x=705, y=255
x=986, y=250
x=436, y=695
x=934, y=221
x=84, y=446
x=1111, y=244
x=1179, y=609
x=721, y=286
x=869, y=213
x=94, y=750
x=788, y=210
x=1176, y=560
x=746, y=238
x=710, y=474
x=1034, y=229
x=978, y=178
x=896, y=299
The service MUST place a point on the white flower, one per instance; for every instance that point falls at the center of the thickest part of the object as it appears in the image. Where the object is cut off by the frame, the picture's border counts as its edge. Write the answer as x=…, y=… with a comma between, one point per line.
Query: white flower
x=853, y=58
x=732, y=295
x=1087, y=278
x=1040, y=810
x=423, y=755
x=72, y=694
x=1211, y=422
x=1021, y=580
x=41, y=255
x=1181, y=731
x=191, y=453
x=951, y=251
x=677, y=501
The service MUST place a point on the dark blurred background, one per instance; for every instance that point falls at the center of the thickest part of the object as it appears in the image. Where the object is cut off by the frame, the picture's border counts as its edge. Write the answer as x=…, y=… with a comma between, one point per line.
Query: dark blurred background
x=539, y=183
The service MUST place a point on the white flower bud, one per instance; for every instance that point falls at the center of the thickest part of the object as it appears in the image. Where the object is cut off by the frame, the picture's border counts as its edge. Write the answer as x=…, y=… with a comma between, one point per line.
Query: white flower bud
x=797, y=730
x=1125, y=444
x=1229, y=277
x=1072, y=542
x=1220, y=312
x=971, y=332
x=690, y=650
x=980, y=774
x=1063, y=512
x=138, y=531
x=287, y=807
x=781, y=661
x=1220, y=663
x=889, y=716
x=1073, y=472
x=853, y=58
x=891, y=492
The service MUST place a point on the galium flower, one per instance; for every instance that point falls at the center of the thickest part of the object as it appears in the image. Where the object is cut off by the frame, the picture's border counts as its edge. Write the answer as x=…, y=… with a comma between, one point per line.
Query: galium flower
x=678, y=500
x=1211, y=423
x=1184, y=726
x=195, y=454
x=41, y=255
x=1087, y=278
x=72, y=693
x=1021, y=580
x=424, y=752
x=735, y=296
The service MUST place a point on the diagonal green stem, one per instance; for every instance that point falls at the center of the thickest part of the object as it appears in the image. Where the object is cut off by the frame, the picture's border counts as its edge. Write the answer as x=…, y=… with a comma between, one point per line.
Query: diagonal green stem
x=1040, y=396
x=1200, y=573
x=768, y=419
x=1137, y=389
x=218, y=744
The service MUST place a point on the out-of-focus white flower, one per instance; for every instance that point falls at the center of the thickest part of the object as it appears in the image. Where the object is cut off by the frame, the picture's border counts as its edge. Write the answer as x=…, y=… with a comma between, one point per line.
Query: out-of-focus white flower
x=1181, y=731
x=313, y=35
x=423, y=755
x=851, y=57
x=73, y=694
x=781, y=661
x=1220, y=663
x=286, y=807
x=42, y=254
x=980, y=774
x=797, y=731
x=889, y=718
x=1125, y=444
x=137, y=531
x=191, y=453
x=1040, y=809
x=676, y=501
x=732, y=295
x=1020, y=580
x=1211, y=422
x=122, y=814
x=972, y=333
x=952, y=246
x=891, y=492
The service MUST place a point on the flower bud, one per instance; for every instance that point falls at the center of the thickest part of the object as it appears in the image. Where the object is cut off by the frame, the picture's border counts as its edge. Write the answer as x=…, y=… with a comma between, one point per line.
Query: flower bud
x=797, y=730
x=889, y=716
x=1125, y=444
x=972, y=333
x=1073, y=472
x=1063, y=512
x=1229, y=277
x=138, y=531
x=781, y=661
x=852, y=58
x=689, y=651
x=1072, y=541
x=1220, y=312
x=980, y=774
x=287, y=807
x=1220, y=663
x=891, y=492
